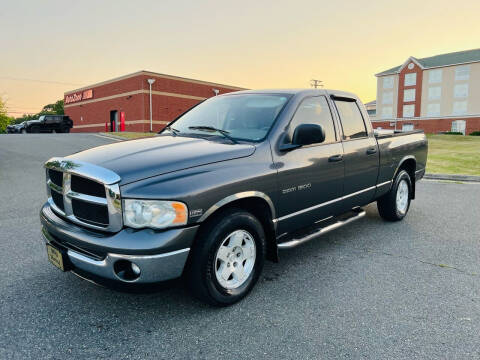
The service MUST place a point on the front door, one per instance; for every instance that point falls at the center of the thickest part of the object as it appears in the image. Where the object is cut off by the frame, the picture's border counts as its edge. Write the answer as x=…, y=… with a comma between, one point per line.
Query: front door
x=310, y=178
x=360, y=155
x=113, y=121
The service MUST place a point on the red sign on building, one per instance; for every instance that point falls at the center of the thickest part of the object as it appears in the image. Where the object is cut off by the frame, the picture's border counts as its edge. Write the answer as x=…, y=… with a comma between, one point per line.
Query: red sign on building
x=79, y=96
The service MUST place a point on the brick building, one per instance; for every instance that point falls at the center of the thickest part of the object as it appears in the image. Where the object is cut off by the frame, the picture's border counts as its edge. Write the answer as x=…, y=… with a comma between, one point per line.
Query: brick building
x=436, y=94
x=123, y=104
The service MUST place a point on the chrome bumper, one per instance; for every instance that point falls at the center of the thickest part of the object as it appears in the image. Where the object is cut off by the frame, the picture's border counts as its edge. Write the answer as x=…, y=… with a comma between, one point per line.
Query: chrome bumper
x=160, y=256
x=153, y=268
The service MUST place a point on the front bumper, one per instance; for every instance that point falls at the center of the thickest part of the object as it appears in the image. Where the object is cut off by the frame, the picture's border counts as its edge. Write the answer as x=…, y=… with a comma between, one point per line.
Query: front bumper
x=160, y=255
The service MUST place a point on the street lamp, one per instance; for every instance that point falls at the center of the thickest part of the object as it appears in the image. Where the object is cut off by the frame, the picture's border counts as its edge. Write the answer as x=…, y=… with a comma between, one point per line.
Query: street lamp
x=150, y=82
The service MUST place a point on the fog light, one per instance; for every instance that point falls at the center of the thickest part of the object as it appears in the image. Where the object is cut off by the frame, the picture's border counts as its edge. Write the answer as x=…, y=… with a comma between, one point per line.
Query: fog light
x=135, y=269
x=126, y=270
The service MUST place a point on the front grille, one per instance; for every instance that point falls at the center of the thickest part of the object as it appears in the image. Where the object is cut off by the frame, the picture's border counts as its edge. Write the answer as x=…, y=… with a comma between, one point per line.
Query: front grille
x=56, y=177
x=90, y=213
x=58, y=200
x=87, y=186
x=91, y=203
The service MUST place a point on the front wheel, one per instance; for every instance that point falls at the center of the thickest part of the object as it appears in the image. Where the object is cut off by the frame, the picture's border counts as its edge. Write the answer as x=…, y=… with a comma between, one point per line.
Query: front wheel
x=227, y=259
x=394, y=205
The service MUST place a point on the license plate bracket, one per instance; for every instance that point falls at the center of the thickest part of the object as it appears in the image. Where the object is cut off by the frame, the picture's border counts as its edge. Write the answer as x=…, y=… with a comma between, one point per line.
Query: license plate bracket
x=57, y=257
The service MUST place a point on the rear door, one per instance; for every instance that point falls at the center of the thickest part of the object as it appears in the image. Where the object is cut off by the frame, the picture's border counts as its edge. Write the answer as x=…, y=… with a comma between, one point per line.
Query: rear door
x=310, y=178
x=361, y=155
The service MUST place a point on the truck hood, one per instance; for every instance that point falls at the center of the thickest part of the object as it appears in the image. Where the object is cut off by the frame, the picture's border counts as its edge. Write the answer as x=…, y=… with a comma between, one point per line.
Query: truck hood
x=139, y=159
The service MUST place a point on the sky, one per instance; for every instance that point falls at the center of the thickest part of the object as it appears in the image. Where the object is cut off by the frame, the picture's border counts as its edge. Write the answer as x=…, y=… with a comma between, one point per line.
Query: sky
x=49, y=47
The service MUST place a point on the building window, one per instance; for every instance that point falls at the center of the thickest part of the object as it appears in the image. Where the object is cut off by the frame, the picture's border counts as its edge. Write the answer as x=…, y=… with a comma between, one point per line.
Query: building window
x=434, y=93
x=409, y=95
x=408, y=110
x=410, y=79
x=433, y=109
x=462, y=72
x=458, y=126
x=459, y=107
x=387, y=112
x=460, y=91
x=388, y=82
x=387, y=97
x=407, y=127
x=435, y=76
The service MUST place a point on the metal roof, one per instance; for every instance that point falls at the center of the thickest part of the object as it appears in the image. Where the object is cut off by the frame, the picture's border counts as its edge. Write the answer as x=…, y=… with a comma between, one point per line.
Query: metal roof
x=460, y=57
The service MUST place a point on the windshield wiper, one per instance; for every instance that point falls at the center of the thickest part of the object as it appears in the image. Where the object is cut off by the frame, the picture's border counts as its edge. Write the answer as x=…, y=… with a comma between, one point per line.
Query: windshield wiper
x=211, y=128
x=172, y=130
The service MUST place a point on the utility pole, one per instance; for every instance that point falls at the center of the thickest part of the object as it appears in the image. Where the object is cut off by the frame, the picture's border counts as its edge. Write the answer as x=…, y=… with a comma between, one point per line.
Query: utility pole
x=150, y=82
x=315, y=83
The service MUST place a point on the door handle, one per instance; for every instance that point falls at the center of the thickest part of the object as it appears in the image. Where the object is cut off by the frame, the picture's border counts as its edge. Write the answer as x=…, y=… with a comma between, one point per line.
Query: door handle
x=371, y=151
x=335, y=158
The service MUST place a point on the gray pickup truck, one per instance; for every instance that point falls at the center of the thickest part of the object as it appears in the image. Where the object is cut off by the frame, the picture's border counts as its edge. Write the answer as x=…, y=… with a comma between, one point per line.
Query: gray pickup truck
x=224, y=187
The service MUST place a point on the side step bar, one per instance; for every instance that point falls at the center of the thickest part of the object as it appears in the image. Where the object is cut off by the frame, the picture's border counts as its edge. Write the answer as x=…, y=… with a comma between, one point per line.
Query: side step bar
x=355, y=214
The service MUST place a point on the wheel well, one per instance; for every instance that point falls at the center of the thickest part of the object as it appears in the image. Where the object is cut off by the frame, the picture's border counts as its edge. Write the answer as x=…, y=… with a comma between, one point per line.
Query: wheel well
x=409, y=165
x=261, y=210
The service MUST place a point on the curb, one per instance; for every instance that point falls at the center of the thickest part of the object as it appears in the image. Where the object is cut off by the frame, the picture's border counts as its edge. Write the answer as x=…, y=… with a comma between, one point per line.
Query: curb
x=453, y=177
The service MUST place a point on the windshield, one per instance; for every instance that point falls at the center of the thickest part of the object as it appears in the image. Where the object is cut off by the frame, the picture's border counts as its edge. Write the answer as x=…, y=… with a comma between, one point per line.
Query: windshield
x=41, y=117
x=243, y=117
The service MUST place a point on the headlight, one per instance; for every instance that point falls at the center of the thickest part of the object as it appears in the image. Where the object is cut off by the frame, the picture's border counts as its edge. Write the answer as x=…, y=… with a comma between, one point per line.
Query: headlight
x=155, y=214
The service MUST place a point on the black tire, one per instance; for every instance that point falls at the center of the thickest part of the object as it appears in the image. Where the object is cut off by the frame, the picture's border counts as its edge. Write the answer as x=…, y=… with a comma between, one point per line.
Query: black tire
x=35, y=129
x=65, y=129
x=201, y=269
x=387, y=205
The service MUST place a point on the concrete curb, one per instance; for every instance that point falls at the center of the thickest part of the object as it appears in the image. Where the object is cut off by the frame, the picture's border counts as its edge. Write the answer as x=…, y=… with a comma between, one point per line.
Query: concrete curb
x=453, y=177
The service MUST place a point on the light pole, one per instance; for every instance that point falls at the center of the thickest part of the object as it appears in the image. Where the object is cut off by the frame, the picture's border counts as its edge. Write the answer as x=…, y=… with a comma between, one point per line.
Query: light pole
x=150, y=82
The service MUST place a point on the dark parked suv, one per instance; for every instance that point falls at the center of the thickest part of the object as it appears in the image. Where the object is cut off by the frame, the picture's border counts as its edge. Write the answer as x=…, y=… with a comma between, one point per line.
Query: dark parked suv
x=48, y=123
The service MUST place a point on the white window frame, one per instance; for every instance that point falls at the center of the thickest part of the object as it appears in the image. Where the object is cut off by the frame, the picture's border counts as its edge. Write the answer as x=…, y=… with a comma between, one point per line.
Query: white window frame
x=409, y=95
x=387, y=82
x=462, y=72
x=434, y=93
x=460, y=107
x=408, y=113
x=387, y=112
x=457, y=128
x=387, y=97
x=433, y=109
x=435, y=76
x=410, y=79
x=460, y=91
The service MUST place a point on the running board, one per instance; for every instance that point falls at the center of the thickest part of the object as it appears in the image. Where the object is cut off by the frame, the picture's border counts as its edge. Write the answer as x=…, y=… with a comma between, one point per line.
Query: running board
x=340, y=221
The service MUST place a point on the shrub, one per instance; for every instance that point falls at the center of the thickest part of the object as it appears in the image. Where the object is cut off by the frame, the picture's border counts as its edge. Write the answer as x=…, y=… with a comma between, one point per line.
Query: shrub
x=475, y=133
x=451, y=133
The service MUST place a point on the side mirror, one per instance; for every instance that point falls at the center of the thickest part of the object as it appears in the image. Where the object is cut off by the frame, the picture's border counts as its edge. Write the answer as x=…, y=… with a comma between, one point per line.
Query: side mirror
x=306, y=134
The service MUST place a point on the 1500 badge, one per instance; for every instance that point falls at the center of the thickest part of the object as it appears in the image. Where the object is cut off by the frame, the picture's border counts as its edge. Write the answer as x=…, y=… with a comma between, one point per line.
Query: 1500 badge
x=295, y=188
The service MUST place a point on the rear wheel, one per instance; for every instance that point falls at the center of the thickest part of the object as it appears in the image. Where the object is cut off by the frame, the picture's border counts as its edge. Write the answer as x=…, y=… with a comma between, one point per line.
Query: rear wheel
x=65, y=129
x=228, y=259
x=394, y=205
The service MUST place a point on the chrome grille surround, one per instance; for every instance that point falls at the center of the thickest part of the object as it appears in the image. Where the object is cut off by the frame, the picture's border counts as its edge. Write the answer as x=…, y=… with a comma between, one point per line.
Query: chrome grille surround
x=107, y=178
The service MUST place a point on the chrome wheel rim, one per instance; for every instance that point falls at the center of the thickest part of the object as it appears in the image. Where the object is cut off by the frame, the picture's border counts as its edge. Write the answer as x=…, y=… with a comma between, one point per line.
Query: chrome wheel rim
x=402, y=197
x=235, y=259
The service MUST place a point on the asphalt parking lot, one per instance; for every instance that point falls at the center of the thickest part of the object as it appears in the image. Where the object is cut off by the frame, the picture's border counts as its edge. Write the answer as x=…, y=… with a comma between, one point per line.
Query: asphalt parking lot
x=372, y=290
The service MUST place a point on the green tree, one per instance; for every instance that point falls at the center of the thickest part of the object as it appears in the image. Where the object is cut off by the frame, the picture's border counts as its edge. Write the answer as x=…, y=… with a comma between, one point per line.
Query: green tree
x=4, y=118
x=56, y=108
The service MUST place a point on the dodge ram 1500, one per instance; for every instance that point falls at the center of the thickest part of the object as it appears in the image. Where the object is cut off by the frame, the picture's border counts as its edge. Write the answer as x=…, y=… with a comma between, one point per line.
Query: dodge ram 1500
x=224, y=187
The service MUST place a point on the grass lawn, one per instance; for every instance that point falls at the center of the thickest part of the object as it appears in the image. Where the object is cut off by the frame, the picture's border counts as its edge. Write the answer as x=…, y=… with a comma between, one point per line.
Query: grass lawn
x=447, y=154
x=453, y=154
x=131, y=135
